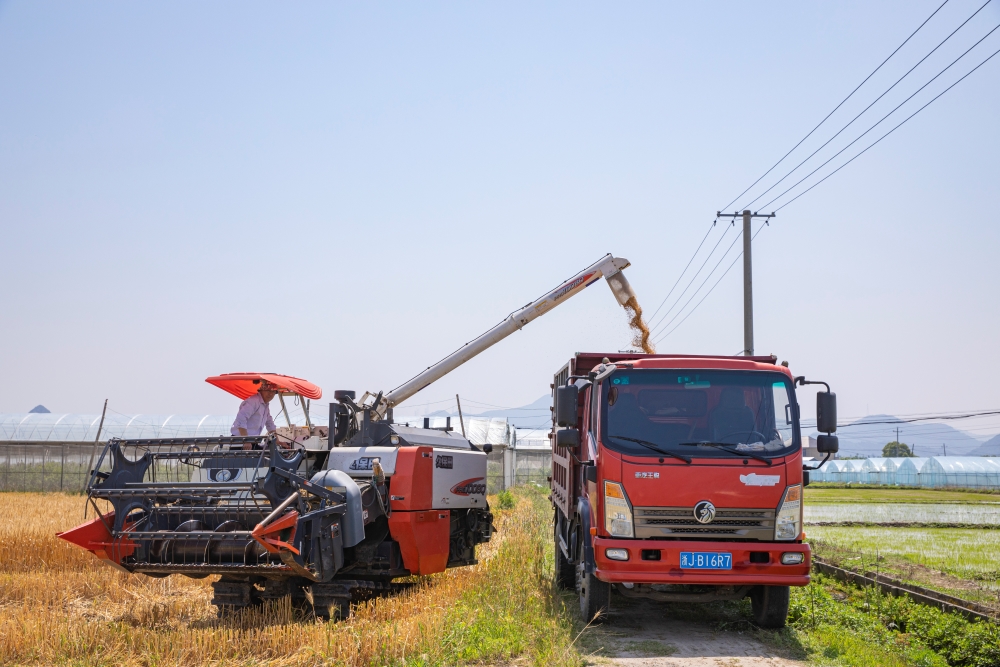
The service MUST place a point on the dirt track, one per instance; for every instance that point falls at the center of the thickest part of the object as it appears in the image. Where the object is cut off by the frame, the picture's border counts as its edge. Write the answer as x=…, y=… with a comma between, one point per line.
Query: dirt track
x=642, y=633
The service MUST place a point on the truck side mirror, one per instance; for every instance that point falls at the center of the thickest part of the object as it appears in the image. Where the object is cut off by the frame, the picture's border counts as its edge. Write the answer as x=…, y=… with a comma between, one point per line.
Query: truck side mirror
x=566, y=401
x=567, y=437
x=827, y=444
x=826, y=412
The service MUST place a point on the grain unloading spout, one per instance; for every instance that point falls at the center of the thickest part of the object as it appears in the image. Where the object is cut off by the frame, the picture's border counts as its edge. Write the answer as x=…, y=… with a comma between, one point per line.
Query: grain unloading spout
x=620, y=287
x=607, y=267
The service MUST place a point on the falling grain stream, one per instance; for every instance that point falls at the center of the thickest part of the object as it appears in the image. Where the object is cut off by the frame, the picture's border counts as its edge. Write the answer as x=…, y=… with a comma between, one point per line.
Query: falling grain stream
x=640, y=332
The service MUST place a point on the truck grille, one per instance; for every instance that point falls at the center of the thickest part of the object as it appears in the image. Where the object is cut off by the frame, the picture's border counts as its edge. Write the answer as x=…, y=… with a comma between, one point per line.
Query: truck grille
x=679, y=522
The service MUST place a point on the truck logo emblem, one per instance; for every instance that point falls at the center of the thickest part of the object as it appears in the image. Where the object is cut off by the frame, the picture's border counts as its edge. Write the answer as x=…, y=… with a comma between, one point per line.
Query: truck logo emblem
x=704, y=512
x=753, y=479
x=470, y=487
x=446, y=462
x=647, y=475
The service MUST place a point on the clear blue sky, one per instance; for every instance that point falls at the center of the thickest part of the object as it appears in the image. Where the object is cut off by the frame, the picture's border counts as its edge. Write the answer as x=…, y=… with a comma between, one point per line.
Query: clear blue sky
x=348, y=191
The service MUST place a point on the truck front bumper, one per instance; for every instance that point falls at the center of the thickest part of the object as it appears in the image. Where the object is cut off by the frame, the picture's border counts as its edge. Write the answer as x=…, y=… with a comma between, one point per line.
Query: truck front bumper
x=748, y=564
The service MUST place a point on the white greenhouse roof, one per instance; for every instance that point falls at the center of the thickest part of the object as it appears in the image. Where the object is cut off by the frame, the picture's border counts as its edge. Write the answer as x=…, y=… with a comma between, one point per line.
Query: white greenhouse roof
x=879, y=465
x=83, y=428
x=961, y=464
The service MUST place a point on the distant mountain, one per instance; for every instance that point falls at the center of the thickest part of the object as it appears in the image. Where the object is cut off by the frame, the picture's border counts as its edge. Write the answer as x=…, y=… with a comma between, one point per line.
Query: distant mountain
x=39, y=409
x=989, y=448
x=930, y=439
x=534, y=415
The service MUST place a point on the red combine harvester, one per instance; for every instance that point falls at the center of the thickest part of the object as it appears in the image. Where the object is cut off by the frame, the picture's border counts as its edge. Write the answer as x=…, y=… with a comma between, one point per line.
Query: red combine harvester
x=320, y=514
x=680, y=478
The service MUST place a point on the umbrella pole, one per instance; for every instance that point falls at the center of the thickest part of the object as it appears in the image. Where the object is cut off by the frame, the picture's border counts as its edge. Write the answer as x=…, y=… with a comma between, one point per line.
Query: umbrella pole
x=288, y=421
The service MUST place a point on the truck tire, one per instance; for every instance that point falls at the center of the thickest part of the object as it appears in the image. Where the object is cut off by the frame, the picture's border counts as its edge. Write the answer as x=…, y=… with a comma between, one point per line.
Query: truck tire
x=770, y=606
x=565, y=572
x=595, y=595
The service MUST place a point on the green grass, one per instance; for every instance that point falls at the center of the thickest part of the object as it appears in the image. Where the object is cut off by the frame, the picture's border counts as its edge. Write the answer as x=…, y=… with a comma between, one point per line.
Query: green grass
x=846, y=625
x=513, y=613
x=890, y=494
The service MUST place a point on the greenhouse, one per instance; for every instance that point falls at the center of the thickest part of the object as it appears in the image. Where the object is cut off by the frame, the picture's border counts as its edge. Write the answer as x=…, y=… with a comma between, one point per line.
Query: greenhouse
x=879, y=471
x=51, y=427
x=908, y=471
x=960, y=471
x=938, y=471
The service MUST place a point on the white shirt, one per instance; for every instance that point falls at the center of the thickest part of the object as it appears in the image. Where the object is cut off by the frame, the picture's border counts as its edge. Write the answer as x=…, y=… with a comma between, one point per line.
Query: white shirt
x=254, y=414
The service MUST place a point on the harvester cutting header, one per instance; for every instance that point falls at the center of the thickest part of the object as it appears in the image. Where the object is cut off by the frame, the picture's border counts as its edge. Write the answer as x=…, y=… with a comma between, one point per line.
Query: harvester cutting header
x=328, y=513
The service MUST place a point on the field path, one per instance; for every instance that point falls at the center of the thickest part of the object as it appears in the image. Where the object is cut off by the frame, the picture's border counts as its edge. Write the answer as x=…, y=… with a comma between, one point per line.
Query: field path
x=644, y=636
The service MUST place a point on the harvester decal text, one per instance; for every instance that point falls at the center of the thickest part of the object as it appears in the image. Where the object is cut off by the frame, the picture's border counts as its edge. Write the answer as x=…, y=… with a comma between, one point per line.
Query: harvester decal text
x=570, y=286
x=470, y=487
x=364, y=463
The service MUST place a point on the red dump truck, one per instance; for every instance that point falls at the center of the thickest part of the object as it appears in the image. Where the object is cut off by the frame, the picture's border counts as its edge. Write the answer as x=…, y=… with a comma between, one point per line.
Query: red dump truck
x=680, y=478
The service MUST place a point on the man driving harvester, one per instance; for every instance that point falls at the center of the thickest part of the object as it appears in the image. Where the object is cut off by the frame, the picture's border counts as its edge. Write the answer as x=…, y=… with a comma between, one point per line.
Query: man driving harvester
x=254, y=413
x=257, y=390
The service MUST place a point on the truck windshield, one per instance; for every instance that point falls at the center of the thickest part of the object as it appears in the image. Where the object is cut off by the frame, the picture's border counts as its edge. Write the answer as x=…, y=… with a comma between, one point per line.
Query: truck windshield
x=693, y=412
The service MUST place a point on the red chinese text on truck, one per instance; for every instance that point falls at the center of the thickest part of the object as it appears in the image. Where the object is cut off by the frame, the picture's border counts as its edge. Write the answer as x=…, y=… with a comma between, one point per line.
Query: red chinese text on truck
x=680, y=478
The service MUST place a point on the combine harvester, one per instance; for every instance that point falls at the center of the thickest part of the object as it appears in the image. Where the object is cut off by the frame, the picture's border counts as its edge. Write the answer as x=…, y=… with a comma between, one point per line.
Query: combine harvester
x=327, y=515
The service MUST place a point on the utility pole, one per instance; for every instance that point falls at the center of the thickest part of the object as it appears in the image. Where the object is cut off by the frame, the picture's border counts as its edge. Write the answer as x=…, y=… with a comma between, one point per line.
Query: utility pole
x=747, y=275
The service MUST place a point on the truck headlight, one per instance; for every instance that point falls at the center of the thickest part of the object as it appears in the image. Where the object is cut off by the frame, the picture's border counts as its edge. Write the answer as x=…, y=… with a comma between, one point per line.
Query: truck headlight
x=617, y=511
x=788, y=523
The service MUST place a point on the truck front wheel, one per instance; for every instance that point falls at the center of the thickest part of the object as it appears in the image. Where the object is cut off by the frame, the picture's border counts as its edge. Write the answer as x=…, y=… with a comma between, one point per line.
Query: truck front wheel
x=770, y=606
x=594, y=594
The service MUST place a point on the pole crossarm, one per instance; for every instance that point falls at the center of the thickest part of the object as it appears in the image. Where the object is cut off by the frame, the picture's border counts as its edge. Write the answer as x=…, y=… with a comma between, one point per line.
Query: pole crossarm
x=720, y=214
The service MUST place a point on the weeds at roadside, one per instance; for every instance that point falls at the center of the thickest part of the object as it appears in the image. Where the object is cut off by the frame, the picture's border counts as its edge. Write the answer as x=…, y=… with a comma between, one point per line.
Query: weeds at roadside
x=859, y=626
x=506, y=500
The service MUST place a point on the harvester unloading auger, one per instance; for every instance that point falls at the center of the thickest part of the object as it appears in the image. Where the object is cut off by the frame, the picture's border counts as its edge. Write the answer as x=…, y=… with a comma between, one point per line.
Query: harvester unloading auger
x=337, y=512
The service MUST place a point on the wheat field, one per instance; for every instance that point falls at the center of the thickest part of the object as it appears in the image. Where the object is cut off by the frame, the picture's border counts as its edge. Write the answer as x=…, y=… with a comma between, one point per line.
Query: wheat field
x=60, y=605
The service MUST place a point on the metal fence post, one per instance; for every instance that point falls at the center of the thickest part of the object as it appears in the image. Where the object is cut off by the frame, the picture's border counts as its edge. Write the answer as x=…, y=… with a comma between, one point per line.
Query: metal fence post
x=508, y=470
x=62, y=467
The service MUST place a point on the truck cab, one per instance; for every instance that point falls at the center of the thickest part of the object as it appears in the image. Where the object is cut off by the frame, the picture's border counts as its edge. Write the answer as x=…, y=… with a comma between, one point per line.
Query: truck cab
x=678, y=478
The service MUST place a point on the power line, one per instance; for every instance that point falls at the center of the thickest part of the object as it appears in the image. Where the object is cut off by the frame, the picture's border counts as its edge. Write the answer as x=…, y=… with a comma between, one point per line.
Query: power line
x=685, y=270
x=921, y=419
x=695, y=276
x=664, y=336
x=940, y=44
x=884, y=135
x=726, y=207
x=714, y=268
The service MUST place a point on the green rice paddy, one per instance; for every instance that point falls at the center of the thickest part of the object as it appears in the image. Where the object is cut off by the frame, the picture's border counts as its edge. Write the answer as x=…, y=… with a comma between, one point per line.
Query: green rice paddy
x=964, y=514
x=967, y=553
x=889, y=494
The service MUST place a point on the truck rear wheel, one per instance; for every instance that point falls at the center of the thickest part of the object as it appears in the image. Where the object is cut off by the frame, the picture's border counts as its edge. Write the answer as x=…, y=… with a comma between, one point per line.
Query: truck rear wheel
x=770, y=605
x=594, y=594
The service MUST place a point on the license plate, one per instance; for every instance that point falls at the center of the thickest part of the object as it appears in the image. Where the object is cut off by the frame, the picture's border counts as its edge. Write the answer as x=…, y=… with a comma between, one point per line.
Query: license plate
x=706, y=560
